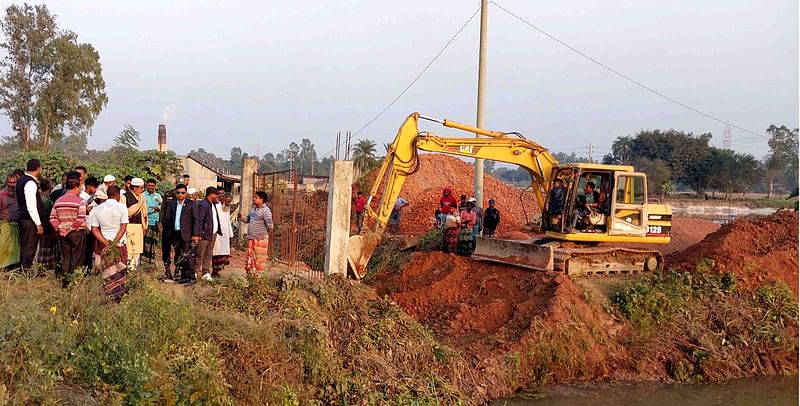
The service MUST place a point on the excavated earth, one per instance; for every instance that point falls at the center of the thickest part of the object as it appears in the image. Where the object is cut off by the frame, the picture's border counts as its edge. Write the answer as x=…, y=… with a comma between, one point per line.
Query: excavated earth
x=756, y=250
x=492, y=313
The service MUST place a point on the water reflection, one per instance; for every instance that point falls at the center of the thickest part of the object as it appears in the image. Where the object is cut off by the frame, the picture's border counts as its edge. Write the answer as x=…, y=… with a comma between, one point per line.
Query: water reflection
x=767, y=391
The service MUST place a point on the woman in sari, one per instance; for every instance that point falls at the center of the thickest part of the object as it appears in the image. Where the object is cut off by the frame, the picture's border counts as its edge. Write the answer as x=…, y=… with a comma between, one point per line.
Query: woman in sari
x=466, y=242
x=259, y=225
x=450, y=229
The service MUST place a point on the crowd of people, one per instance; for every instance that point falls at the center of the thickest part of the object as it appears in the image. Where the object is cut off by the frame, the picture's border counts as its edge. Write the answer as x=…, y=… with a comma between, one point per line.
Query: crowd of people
x=461, y=221
x=108, y=229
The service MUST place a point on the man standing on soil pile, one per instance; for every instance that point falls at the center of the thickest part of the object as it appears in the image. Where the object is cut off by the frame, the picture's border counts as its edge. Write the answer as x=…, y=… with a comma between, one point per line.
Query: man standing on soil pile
x=478, y=210
x=394, y=218
x=360, y=203
x=491, y=220
x=447, y=200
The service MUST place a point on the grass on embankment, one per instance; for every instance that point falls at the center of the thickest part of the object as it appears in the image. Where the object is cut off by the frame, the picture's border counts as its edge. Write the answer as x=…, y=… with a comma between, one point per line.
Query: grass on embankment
x=706, y=328
x=281, y=341
x=289, y=341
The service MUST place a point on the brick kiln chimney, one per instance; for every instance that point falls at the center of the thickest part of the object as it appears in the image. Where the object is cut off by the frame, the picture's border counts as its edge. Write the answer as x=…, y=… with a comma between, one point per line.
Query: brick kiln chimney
x=162, y=138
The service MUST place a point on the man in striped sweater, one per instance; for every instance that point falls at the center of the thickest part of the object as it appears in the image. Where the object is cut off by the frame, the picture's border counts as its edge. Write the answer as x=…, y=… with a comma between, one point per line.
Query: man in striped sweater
x=69, y=219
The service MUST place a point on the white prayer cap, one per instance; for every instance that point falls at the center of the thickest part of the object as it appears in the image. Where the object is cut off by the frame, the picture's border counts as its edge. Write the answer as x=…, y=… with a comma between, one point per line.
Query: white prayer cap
x=109, y=178
x=191, y=191
x=137, y=182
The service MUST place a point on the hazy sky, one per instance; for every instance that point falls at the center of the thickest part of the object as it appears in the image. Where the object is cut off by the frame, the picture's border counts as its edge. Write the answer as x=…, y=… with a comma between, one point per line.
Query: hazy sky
x=261, y=74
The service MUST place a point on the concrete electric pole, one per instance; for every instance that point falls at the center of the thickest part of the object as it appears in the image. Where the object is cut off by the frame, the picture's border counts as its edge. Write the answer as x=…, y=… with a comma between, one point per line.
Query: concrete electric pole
x=478, y=192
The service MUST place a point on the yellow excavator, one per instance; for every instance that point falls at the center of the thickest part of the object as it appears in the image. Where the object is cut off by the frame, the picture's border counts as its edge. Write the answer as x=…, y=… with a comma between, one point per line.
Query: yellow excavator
x=586, y=247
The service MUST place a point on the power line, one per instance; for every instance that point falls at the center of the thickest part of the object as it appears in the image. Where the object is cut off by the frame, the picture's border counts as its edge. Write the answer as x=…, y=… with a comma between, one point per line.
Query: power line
x=425, y=69
x=624, y=76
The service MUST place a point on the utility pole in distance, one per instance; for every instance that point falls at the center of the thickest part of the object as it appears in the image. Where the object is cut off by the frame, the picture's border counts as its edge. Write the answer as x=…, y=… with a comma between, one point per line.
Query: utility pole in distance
x=478, y=192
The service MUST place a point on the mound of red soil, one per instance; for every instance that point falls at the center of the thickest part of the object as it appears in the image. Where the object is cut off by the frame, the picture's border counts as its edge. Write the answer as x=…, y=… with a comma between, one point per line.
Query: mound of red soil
x=436, y=171
x=756, y=250
x=486, y=309
x=688, y=231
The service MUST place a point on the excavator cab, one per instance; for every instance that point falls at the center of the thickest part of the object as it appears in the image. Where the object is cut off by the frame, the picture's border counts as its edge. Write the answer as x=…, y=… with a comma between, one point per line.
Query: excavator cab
x=598, y=199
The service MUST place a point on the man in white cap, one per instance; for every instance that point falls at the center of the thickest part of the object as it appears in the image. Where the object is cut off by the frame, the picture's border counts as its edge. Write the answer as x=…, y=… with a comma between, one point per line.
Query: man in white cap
x=108, y=180
x=137, y=220
x=192, y=193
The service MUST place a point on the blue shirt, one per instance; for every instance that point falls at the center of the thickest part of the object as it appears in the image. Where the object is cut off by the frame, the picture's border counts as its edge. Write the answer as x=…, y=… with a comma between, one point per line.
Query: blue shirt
x=178, y=210
x=399, y=203
x=153, y=202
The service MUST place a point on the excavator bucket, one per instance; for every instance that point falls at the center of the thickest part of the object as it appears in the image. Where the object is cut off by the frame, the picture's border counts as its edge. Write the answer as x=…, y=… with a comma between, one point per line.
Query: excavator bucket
x=524, y=254
x=359, y=251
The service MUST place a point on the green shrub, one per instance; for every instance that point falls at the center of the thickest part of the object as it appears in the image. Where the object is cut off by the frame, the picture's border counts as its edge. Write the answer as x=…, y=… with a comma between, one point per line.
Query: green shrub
x=656, y=298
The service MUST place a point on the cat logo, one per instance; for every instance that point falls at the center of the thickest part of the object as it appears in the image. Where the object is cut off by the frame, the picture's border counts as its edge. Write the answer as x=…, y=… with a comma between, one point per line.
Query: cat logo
x=465, y=149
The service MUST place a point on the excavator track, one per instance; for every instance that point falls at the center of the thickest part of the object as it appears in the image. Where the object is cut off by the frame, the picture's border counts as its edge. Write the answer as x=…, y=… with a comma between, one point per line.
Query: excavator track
x=549, y=255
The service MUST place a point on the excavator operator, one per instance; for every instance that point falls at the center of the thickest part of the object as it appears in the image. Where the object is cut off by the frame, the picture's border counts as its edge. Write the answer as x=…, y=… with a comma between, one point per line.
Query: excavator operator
x=587, y=202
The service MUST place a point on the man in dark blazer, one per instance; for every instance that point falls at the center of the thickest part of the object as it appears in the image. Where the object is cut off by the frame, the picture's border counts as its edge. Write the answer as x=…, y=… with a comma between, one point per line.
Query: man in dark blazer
x=206, y=229
x=177, y=225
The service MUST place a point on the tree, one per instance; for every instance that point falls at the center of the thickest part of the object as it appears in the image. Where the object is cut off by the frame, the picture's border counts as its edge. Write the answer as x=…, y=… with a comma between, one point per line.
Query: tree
x=237, y=161
x=687, y=154
x=622, y=148
x=308, y=156
x=128, y=138
x=658, y=172
x=563, y=157
x=488, y=166
x=49, y=81
x=364, y=155
x=782, y=162
x=667, y=188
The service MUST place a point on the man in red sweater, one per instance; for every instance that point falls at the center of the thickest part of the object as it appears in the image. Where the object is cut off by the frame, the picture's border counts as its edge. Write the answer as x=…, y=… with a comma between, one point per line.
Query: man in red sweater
x=361, y=202
x=69, y=219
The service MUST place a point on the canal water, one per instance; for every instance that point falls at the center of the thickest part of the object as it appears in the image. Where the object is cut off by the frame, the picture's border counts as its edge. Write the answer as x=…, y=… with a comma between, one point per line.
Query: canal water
x=767, y=391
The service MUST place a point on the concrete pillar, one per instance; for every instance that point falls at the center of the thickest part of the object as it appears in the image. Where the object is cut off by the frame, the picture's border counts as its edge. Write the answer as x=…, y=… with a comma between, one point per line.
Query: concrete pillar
x=249, y=169
x=340, y=183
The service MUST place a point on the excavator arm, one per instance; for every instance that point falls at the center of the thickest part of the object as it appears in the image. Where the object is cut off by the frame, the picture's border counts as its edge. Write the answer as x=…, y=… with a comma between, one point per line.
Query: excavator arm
x=401, y=161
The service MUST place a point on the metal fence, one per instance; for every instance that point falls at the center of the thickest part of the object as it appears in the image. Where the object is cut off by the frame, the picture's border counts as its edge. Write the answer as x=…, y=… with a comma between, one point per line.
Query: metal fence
x=299, y=211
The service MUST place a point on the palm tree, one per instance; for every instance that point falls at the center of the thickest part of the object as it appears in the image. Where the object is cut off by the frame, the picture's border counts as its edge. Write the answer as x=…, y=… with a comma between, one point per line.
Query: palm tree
x=623, y=148
x=667, y=188
x=364, y=155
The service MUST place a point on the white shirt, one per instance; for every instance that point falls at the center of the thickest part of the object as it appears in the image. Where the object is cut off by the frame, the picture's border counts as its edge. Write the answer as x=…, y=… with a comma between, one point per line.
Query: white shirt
x=84, y=196
x=215, y=218
x=31, y=191
x=109, y=217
